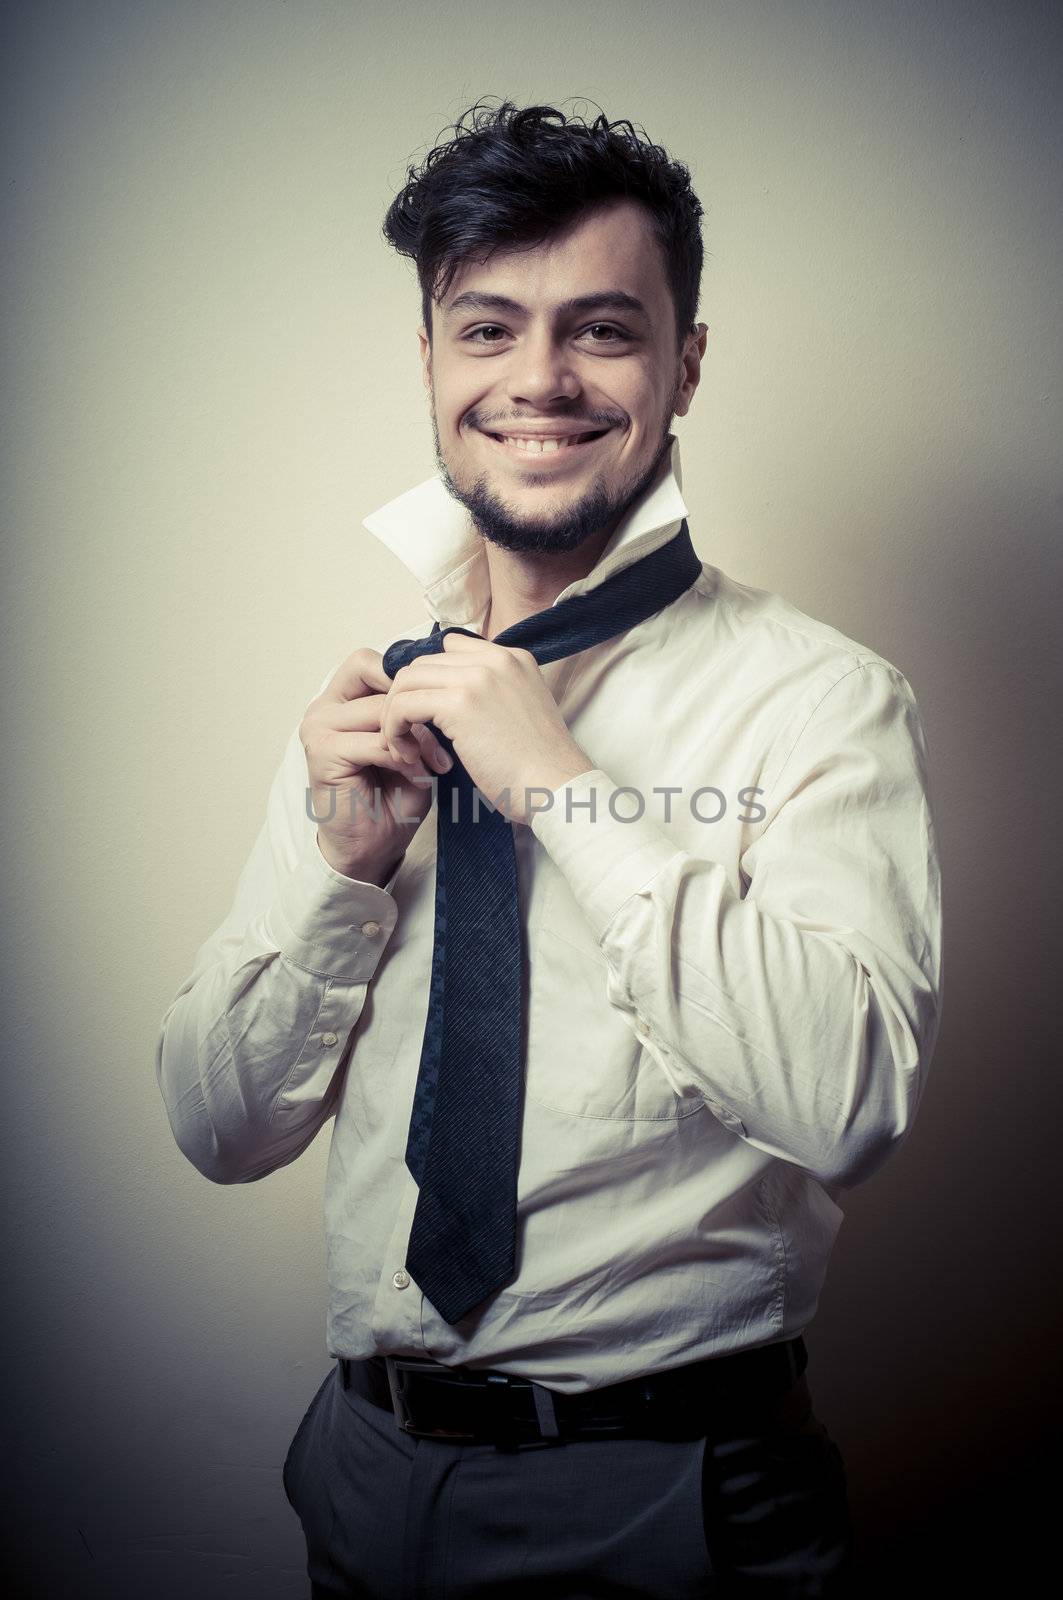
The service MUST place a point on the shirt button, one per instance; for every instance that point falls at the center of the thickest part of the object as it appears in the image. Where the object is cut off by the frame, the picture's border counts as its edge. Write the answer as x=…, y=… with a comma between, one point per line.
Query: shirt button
x=370, y=929
x=401, y=1279
x=329, y=1039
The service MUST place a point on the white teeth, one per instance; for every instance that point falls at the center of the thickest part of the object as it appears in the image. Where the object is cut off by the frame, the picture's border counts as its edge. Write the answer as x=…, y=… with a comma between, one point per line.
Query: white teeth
x=541, y=446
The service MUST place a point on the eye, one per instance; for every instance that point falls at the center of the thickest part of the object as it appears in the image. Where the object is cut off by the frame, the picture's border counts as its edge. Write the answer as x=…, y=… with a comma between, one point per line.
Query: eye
x=486, y=328
x=606, y=328
x=600, y=333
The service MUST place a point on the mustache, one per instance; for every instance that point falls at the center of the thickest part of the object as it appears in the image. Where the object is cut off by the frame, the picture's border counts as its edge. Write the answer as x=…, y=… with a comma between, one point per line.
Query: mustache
x=589, y=421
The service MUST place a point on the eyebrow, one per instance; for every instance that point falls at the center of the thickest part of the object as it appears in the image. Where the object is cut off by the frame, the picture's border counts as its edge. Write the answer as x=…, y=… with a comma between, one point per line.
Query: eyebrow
x=607, y=300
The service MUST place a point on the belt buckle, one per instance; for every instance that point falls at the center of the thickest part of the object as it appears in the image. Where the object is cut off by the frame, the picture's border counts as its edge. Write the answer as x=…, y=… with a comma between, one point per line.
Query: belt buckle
x=545, y=1421
x=403, y=1415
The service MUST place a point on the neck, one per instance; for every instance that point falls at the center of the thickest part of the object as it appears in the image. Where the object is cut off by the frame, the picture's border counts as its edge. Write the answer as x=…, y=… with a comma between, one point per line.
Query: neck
x=521, y=585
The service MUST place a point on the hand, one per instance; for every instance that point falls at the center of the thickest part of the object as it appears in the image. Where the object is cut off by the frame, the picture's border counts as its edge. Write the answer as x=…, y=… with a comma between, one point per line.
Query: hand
x=353, y=774
x=492, y=702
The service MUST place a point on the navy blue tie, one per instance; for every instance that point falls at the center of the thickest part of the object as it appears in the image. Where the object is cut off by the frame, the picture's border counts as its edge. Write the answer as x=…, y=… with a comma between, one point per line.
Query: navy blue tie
x=462, y=1146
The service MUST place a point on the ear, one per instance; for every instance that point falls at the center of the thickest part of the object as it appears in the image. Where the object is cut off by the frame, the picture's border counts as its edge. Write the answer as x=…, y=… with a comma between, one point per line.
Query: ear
x=690, y=367
x=426, y=358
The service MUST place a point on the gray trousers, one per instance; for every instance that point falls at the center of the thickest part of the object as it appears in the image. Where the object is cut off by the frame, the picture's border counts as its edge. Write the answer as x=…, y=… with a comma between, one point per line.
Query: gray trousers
x=762, y=1511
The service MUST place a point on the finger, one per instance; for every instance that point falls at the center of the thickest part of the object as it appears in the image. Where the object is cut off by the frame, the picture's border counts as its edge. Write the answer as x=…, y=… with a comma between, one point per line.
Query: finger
x=404, y=708
x=360, y=674
x=436, y=671
x=324, y=719
x=483, y=651
x=432, y=751
x=340, y=755
x=355, y=716
x=455, y=643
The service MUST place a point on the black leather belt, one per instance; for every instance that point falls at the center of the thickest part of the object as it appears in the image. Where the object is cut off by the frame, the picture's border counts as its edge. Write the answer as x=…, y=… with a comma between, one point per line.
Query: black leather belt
x=477, y=1405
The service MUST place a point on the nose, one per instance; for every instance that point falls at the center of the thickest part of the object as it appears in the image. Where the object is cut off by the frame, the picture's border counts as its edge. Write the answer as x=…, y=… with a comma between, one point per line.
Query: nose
x=542, y=371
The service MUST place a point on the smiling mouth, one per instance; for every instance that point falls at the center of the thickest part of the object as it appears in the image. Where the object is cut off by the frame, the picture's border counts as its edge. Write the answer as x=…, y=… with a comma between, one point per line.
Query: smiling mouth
x=545, y=445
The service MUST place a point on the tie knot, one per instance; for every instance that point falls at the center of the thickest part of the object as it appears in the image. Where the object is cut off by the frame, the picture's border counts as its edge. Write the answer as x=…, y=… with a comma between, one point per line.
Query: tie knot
x=403, y=651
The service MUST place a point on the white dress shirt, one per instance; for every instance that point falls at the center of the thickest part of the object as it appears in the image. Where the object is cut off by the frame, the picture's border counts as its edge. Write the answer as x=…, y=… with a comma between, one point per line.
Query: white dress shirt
x=731, y=992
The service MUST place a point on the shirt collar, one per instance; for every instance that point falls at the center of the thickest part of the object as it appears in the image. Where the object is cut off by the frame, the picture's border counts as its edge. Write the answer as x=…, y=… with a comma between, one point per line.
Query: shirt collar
x=432, y=535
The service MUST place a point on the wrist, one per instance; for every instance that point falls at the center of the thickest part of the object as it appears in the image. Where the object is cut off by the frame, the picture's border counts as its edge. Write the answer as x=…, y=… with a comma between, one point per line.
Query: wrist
x=358, y=865
x=547, y=778
x=557, y=773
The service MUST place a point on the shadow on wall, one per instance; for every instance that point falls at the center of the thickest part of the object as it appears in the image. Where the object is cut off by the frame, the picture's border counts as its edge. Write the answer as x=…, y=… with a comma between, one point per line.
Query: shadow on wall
x=934, y=1357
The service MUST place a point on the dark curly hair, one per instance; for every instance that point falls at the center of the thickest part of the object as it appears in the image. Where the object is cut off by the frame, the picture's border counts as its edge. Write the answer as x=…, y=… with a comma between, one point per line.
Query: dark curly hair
x=512, y=176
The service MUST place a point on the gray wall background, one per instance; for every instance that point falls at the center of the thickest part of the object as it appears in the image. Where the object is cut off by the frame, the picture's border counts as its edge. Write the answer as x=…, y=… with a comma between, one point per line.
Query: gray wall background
x=211, y=376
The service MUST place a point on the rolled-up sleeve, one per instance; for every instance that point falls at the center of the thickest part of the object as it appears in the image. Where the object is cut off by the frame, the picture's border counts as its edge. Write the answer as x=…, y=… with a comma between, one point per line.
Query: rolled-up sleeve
x=252, y=1047
x=804, y=1008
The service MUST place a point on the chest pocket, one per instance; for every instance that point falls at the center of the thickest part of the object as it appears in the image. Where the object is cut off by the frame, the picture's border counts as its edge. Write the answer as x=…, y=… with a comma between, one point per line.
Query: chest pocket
x=583, y=1057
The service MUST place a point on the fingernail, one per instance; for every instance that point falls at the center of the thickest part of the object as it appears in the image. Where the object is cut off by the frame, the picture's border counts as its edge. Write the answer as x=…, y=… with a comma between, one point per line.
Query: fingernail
x=444, y=761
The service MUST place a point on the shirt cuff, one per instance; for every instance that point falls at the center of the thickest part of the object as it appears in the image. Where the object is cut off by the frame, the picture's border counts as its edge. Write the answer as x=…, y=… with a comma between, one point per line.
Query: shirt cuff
x=331, y=925
x=605, y=858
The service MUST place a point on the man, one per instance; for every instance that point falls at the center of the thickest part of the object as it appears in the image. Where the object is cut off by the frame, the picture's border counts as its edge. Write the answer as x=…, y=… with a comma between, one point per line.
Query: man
x=604, y=1050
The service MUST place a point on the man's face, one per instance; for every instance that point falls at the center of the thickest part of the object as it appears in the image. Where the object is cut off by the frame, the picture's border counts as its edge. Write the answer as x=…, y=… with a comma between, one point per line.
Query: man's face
x=554, y=376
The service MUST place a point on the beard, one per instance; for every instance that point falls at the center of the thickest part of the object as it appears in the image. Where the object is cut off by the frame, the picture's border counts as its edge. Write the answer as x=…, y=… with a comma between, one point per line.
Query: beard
x=601, y=505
